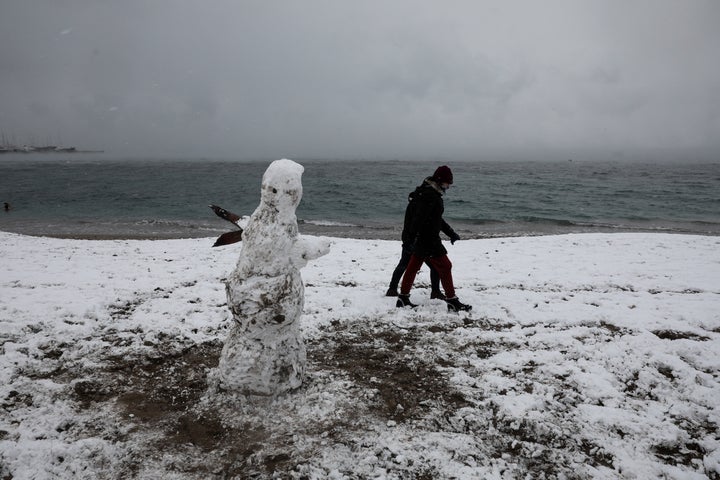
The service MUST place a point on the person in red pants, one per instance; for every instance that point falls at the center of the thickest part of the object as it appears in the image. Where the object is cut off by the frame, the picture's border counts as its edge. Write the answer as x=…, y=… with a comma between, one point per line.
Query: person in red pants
x=424, y=223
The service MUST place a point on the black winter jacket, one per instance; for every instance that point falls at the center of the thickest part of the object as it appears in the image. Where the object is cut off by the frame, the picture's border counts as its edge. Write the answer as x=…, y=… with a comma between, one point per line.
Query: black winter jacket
x=424, y=222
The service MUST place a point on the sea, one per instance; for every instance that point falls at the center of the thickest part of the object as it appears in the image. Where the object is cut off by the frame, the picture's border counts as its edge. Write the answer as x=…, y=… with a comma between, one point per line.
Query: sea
x=92, y=196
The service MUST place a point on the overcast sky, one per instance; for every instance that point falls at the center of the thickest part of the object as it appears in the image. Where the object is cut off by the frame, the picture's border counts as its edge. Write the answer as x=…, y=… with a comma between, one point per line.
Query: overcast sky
x=363, y=79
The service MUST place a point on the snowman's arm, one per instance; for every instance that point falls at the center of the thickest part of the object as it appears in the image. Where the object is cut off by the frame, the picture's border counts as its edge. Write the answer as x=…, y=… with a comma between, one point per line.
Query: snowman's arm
x=308, y=248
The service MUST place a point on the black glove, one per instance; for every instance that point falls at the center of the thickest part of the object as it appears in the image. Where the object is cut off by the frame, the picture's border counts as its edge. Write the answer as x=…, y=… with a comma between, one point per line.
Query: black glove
x=454, y=238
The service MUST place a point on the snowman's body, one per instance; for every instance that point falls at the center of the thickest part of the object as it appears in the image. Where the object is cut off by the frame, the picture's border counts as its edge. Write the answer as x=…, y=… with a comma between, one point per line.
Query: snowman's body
x=264, y=353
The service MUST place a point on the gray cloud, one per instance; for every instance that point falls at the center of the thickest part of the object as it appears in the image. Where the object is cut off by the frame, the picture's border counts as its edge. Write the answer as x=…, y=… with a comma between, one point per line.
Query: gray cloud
x=363, y=79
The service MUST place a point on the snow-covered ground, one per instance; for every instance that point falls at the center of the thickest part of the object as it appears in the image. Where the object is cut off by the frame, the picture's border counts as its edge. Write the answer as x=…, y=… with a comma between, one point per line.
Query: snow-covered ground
x=585, y=356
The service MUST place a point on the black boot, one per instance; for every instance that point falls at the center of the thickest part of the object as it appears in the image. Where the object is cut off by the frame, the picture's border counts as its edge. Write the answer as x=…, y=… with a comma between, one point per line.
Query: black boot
x=437, y=294
x=392, y=292
x=454, y=305
x=404, y=301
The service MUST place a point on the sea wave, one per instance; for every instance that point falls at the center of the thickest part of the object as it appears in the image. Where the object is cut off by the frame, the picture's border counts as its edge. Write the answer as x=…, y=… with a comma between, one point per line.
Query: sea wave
x=547, y=220
x=328, y=223
x=172, y=223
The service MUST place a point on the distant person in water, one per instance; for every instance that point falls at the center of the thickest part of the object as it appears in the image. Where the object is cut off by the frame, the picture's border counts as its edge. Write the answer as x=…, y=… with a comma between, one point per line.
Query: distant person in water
x=423, y=224
x=7, y=206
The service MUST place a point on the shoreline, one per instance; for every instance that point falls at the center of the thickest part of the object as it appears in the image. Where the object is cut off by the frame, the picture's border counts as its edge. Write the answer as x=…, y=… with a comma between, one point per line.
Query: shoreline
x=356, y=234
x=112, y=228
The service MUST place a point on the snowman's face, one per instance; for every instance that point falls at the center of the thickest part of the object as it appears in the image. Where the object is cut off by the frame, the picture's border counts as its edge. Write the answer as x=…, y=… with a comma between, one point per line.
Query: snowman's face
x=282, y=194
x=282, y=185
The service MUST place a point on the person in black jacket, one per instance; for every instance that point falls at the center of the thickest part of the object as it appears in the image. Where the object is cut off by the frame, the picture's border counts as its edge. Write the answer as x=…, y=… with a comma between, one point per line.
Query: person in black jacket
x=423, y=224
x=407, y=244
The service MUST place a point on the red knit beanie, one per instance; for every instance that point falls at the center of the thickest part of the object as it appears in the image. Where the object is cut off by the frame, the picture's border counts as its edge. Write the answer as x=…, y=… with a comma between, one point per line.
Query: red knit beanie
x=443, y=175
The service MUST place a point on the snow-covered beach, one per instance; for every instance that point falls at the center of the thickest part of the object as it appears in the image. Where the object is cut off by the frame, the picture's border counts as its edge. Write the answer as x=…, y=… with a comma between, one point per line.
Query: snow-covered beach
x=585, y=356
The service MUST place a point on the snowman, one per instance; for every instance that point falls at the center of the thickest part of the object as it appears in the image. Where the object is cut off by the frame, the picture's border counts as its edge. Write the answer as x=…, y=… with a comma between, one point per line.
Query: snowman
x=264, y=353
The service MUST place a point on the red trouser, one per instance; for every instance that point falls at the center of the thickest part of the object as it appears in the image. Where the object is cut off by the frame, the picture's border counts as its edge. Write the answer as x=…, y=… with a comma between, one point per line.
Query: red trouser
x=441, y=264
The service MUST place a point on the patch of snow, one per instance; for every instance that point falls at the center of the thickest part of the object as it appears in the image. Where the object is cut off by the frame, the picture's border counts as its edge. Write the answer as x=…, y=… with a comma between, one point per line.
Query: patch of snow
x=585, y=356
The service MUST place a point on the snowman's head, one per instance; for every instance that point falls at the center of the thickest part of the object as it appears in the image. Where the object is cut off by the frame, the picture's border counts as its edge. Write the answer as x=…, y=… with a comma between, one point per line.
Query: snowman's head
x=282, y=185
